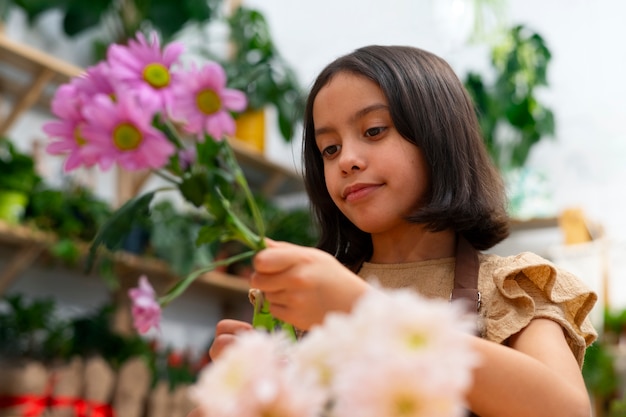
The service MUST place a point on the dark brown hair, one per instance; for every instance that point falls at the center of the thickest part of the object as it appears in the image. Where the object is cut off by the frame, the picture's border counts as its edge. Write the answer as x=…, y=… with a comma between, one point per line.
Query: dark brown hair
x=431, y=109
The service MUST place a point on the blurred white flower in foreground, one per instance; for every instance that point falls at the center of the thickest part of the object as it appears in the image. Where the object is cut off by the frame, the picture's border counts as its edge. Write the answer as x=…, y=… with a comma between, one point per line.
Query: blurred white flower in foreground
x=396, y=354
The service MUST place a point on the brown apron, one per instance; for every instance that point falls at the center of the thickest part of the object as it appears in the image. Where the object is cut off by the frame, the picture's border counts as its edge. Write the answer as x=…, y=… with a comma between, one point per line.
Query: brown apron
x=466, y=276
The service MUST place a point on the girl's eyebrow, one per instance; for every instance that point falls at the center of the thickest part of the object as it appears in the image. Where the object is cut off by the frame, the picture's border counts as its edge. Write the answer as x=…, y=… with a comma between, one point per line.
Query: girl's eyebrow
x=359, y=114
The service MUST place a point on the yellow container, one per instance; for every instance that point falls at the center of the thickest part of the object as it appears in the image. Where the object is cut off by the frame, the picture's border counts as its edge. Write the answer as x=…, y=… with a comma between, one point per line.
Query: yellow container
x=251, y=129
x=12, y=205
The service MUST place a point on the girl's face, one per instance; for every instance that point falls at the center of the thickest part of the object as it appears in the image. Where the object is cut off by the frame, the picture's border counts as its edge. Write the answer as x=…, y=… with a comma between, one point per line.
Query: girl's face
x=374, y=175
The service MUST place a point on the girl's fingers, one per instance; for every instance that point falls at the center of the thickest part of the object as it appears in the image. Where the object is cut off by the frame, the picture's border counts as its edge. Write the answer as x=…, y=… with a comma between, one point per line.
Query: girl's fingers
x=277, y=258
x=219, y=344
x=228, y=326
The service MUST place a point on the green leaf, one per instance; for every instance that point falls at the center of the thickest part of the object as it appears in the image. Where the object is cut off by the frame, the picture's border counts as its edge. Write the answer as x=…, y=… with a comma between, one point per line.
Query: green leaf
x=210, y=234
x=169, y=17
x=66, y=250
x=115, y=229
x=81, y=15
x=194, y=188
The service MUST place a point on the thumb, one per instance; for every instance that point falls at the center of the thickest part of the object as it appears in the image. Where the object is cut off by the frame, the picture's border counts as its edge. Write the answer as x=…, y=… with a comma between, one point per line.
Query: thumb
x=271, y=243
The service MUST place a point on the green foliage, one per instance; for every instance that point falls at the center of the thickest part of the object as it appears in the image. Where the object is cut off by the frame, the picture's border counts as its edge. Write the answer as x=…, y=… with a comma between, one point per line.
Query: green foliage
x=72, y=212
x=600, y=366
x=294, y=225
x=599, y=371
x=31, y=329
x=112, y=234
x=173, y=238
x=17, y=168
x=615, y=322
x=520, y=63
x=92, y=334
x=259, y=70
x=121, y=20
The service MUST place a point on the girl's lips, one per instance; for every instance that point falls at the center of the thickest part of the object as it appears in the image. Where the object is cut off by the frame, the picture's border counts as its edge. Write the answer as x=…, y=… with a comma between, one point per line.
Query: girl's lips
x=358, y=191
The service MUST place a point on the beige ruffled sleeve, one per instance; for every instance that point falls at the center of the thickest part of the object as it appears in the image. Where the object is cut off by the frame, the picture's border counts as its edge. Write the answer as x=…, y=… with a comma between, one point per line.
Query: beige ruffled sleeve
x=525, y=287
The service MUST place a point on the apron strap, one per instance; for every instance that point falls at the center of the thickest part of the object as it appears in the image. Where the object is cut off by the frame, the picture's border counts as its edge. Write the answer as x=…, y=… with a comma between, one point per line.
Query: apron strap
x=466, y=273
x=466, y=276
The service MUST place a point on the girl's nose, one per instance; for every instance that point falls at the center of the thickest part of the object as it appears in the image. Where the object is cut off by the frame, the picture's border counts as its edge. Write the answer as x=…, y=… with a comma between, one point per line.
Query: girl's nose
x=350, y=160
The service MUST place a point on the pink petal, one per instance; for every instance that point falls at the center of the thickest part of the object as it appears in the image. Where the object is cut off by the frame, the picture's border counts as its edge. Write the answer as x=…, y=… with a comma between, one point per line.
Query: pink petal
x=234, y=99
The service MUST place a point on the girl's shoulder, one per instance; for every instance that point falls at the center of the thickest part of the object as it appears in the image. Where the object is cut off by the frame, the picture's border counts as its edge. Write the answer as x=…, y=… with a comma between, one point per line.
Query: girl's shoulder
x=516, y=289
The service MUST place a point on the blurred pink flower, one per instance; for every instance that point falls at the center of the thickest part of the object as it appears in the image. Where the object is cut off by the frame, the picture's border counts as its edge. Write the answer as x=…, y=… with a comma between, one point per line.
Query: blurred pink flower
x=96, y=80
x=187, y=157
x=122, y=131
x=145, y=310
x=203, y=101
x=143, y=68
x=66, y=132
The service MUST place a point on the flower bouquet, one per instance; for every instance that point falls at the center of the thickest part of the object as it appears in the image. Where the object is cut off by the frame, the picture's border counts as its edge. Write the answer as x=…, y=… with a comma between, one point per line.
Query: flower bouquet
x=142, y=109
x=395, y=354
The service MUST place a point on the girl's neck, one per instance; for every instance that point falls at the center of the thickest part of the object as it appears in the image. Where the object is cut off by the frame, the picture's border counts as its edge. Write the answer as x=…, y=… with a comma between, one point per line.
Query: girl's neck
x=413, y=245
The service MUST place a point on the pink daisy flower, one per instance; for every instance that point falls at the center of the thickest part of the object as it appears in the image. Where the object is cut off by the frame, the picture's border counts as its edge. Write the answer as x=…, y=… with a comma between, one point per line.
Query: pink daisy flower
x=66, y=133
x=143, y=68
x=122, y=131
x=145, y=310
x=96, y=80
x=203, y=101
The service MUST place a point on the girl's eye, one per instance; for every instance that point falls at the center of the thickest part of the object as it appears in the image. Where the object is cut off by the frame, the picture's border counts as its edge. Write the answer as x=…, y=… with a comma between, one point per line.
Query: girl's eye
x=329, y=151
x=374, y=131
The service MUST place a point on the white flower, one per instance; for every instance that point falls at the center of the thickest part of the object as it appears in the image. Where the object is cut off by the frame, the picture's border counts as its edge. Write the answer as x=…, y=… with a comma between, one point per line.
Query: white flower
x=391, y=389
x=254, y=377
x=396, y=354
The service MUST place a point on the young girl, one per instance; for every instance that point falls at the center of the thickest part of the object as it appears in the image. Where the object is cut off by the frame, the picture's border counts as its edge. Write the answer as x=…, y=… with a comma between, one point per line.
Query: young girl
x=405, y=194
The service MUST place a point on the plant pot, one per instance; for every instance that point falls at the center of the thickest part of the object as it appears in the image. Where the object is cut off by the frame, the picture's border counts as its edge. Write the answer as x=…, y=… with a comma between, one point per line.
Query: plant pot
x=12, y=205
x=137, y=240
x=250, y=129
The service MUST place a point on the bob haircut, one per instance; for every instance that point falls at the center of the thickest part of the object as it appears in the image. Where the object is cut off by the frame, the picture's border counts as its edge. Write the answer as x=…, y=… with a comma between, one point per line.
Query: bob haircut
x=430, y=108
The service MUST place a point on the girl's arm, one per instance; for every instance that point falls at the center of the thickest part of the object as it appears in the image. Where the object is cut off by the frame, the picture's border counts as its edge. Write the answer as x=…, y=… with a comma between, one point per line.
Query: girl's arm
x=537, y=375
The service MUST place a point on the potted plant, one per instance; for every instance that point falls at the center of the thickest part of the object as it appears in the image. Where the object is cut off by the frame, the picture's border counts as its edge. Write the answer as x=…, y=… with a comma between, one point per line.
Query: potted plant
x=17, y=181
x=73, y=213
x=257, y=68
x=511, y=116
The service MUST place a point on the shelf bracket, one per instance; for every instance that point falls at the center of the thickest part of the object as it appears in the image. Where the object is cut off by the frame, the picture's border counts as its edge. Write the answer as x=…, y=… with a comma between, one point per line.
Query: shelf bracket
x=28, y=99
x=20, y=262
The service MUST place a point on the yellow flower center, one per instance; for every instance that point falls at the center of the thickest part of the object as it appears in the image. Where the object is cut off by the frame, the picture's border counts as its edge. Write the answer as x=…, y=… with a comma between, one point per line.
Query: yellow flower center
x=406, y=406
x=127, y=137
x=156, y=75
x=416, y=341
x=208, y=101
x=78, y=137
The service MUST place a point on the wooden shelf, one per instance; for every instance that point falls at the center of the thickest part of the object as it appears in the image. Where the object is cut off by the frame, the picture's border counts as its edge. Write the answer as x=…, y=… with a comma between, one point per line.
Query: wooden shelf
x=534, y=223
x=30, y=76
x=31, y=243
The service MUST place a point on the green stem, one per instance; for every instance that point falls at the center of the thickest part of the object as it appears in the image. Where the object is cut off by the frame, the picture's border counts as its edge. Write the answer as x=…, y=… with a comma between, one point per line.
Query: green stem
x=172, y=133
x=166, y=176
x=181, y=286
x=241, y=180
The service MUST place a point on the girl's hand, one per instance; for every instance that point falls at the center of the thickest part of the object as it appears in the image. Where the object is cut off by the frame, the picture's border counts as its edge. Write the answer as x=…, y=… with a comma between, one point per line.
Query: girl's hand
x=225, y=334
x=303, y=284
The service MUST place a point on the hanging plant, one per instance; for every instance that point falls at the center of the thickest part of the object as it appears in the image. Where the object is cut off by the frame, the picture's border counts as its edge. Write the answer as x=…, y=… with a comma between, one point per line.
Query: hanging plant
x=511, y=116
